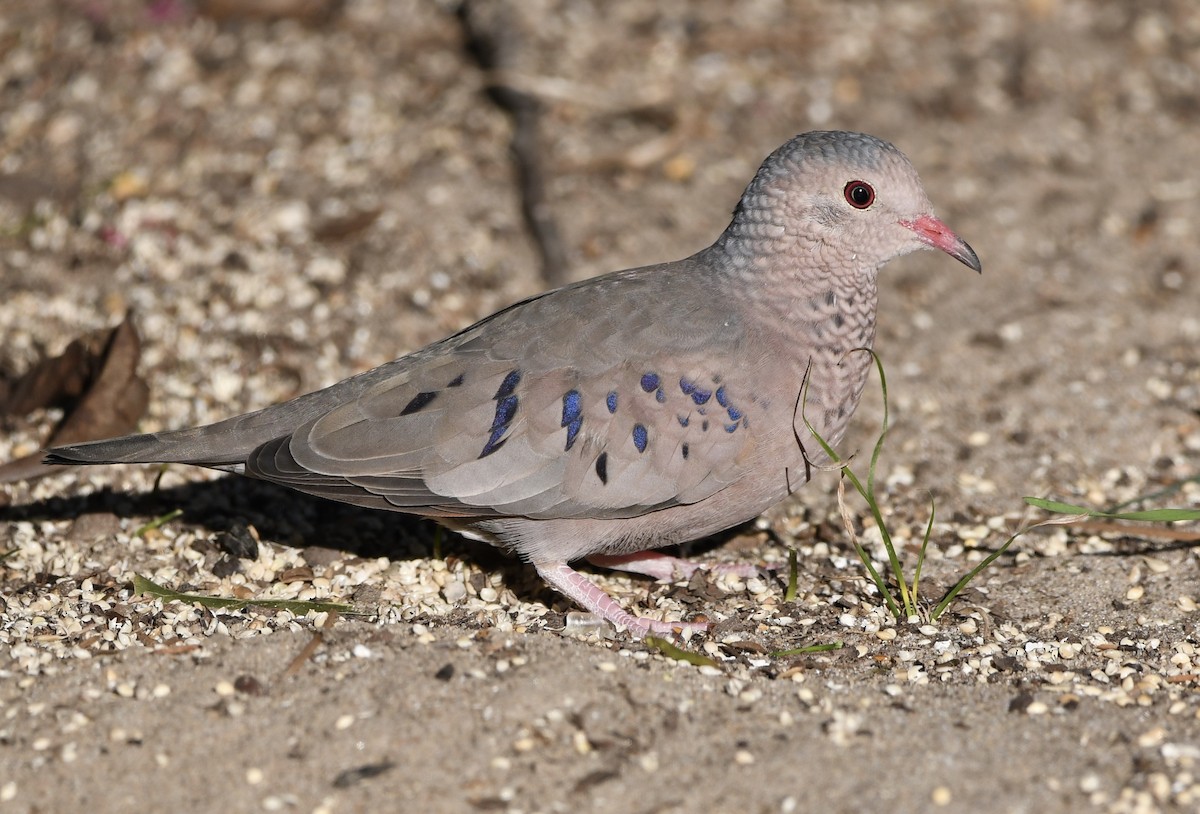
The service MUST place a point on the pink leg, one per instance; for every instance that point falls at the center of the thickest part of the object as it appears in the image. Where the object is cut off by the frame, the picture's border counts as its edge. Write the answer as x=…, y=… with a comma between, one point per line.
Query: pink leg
x=665, y=568
x=589, y=596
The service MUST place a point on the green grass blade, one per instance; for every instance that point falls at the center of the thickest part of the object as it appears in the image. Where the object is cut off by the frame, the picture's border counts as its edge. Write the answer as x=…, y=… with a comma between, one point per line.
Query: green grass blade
x=991, y=558
x=916, y=580
x=157, y=522
x=141, y=585
x=1156, y=515
x=1056, y=506
x=906, y=598
x=789, y=595
x=886, y=537
x=1178, y=486
x=883, y=429
x=1148, y=515
x=672, y=651
x=869, y=496
x=970, y=575
x=848, y=524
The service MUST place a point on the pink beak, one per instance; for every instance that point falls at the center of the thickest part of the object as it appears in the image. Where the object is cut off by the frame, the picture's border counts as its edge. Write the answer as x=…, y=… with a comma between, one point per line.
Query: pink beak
x=932, y=232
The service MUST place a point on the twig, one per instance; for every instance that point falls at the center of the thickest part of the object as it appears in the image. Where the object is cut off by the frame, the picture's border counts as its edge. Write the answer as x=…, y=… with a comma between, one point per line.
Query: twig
x=493, y=40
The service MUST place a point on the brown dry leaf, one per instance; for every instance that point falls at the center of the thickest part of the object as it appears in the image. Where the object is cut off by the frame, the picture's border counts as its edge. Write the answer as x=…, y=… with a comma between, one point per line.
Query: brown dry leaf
x=96, y=383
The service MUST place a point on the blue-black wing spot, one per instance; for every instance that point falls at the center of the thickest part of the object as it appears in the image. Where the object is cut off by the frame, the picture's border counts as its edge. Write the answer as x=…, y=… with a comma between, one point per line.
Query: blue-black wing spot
x=506, y=410
x=734, y=413
x=456, y=381
x=640, y=437
x=509, y=384
x=683, y=420
x=698, y=393
x=684, y=450
x=649, y=382
x=611, y=401
x=660, y=396
x=721, y=398
x=731, y=427
x=602, y=467
x=572, y=415
x=494, y=442
x=419, y=401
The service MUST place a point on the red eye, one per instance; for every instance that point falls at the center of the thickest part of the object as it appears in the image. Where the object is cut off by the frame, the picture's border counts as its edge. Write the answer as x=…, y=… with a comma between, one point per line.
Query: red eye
x=859, y=194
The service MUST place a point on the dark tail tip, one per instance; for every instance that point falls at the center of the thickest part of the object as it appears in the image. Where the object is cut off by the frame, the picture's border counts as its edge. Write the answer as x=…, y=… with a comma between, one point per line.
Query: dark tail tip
x=56, y=457
x=127, y=449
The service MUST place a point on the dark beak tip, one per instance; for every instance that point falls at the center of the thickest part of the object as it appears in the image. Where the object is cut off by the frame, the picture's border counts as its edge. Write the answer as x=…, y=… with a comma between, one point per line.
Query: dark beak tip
x=969, y=258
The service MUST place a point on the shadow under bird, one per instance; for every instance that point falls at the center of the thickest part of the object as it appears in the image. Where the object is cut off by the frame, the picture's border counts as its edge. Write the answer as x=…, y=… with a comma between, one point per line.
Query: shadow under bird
x=623, y=413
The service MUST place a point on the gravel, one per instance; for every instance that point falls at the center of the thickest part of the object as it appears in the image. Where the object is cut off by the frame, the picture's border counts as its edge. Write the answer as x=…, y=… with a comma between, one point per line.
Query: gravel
x=287, y=193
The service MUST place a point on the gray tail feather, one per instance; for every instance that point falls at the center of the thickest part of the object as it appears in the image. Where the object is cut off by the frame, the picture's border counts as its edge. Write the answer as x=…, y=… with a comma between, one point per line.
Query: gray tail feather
x=192, y=446
x=226, y=444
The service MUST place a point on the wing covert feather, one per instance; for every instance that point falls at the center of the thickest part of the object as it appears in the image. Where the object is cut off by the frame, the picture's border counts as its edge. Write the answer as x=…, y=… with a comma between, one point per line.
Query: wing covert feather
x=501, y=420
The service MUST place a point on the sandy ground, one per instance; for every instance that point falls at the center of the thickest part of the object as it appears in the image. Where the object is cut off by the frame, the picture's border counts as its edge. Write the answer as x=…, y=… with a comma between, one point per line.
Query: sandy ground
x=288, y=192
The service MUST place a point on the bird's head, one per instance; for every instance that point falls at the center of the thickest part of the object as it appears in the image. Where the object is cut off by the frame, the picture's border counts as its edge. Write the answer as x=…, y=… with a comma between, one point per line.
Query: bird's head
x=851, y=198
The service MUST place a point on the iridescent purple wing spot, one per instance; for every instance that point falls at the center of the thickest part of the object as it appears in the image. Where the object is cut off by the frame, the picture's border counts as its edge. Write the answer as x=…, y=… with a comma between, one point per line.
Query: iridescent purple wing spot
x=506, y=410
x=698, y=394
x=640, y=437
x=572, y=415
x=419, y=402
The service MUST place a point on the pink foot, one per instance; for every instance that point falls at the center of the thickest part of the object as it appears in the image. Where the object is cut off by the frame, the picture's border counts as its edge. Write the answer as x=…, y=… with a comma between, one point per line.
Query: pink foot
x=589, y=596
x=665, y=568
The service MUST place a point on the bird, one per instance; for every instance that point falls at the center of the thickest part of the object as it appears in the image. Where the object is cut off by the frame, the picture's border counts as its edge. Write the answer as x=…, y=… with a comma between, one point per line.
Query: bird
x=611, y=417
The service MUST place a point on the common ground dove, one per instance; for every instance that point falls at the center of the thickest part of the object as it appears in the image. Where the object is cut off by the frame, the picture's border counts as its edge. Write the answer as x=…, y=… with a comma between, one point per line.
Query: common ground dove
x=623, y=413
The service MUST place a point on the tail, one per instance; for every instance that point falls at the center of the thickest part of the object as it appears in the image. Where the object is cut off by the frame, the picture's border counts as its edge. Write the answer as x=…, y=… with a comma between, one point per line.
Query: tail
x=200, y=446
x=224, y=445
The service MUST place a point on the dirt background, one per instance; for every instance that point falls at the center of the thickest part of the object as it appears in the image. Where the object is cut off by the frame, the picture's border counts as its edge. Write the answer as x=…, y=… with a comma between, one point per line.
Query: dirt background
x=285, y=192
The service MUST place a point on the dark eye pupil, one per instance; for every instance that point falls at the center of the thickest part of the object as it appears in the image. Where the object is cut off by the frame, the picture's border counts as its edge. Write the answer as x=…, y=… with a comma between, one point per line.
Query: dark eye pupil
x=859, y=194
